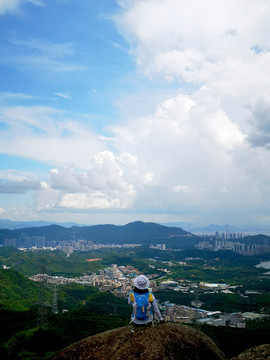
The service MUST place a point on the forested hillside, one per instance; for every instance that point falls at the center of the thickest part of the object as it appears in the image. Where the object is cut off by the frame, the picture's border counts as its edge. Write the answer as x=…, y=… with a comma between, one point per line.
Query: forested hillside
x=16, y=291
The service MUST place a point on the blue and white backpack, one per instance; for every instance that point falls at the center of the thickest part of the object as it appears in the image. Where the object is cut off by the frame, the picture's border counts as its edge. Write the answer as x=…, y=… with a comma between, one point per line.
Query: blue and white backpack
x=141, y=305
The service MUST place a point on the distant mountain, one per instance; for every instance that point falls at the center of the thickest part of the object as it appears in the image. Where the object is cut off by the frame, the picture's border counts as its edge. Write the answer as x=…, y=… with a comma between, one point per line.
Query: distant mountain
x=11, y=225
x=259, y=239
x=215, y=227
x=212, y=228
x=136, y=232
x=187, y=226
x=250, y=228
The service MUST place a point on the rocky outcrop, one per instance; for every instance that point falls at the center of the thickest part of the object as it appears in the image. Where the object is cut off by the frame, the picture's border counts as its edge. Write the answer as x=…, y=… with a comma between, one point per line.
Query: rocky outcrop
x=261, y=352
x=162, y=342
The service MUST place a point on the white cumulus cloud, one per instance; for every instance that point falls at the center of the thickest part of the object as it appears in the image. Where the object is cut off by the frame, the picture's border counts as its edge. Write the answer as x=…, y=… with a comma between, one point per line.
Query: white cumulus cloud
x=103, y=186
x=212, y=134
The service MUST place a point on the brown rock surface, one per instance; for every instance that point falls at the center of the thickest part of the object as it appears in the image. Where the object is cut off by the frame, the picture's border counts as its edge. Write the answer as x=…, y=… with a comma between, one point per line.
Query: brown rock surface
x=261, y=352
x=164, y=341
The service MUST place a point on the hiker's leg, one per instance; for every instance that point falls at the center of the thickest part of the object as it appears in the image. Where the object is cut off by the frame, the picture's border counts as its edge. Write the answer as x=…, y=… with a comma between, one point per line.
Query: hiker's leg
x=132, y=326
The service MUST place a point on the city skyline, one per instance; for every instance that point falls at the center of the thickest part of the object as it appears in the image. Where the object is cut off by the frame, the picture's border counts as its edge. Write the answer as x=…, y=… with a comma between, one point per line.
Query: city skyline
x=112, y=112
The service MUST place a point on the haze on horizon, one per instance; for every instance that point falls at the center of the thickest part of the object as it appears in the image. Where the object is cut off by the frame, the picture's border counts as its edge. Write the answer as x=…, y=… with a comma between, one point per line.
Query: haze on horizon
x=123, y=110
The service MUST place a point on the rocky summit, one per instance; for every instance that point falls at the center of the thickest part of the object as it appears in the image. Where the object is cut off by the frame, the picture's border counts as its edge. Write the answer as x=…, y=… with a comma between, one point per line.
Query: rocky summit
x=161, y=342
x=261, y=352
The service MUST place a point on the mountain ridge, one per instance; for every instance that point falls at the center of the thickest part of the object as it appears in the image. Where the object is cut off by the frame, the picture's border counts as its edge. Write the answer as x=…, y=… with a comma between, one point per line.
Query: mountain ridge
x=135, y=232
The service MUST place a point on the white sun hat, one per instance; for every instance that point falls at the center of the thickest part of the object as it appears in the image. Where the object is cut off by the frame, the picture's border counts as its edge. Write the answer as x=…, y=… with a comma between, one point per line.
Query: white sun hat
x=141, y=282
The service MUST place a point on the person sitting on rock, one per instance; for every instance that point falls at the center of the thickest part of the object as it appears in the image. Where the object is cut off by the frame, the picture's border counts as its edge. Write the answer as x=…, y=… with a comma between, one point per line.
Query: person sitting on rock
x=143, y=302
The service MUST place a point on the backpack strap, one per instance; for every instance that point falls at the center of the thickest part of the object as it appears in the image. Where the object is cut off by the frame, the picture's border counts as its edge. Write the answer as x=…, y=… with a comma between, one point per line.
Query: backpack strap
x=151, y=298
x=132, y=296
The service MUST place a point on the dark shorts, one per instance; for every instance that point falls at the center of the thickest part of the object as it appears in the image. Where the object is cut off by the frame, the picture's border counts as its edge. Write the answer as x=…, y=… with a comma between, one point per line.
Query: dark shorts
x=141, y=325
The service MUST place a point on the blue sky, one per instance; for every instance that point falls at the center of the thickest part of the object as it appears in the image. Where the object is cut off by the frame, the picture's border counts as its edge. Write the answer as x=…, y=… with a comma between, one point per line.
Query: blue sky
x=115, y=111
